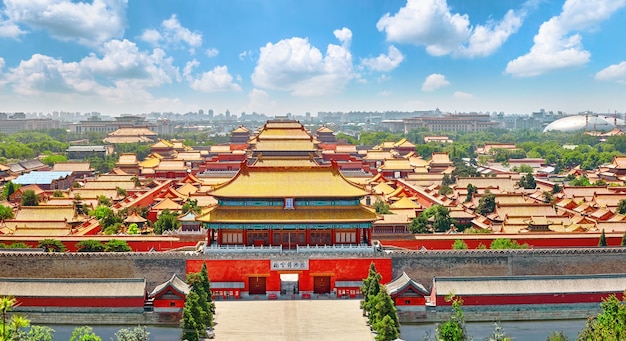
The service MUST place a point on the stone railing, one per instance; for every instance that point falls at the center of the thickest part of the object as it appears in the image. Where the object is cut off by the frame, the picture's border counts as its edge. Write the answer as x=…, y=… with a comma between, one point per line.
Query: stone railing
x=334, y=248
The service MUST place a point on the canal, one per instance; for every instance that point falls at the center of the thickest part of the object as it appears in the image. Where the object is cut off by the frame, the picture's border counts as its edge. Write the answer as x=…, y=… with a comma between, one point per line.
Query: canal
x=518, y=331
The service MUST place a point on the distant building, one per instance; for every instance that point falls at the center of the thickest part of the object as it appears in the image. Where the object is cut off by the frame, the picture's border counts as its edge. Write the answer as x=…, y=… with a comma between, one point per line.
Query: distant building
x=15, y=123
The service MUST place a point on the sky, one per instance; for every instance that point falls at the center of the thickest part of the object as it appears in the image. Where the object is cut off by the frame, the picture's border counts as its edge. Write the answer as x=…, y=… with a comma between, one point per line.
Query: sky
x=297, y=56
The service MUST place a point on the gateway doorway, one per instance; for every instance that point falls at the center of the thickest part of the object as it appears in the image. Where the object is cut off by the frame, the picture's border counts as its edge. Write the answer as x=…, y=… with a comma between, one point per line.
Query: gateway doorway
x=256, y=285
x=321, y=284
x=289, y=284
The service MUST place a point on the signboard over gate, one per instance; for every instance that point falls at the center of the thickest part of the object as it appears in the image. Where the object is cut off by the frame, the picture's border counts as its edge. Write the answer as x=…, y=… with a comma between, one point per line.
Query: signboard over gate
x=290, y=264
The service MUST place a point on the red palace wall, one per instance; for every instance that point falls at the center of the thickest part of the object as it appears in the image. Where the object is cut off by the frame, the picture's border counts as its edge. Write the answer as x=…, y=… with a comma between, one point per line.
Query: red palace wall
x=99, y=302
x=437, y=242
x=339, y=269
x=529, y=299
x=411, y=301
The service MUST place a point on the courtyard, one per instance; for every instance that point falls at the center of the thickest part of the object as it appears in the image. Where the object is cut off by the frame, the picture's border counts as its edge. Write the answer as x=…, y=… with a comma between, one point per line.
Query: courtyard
x=314, y=320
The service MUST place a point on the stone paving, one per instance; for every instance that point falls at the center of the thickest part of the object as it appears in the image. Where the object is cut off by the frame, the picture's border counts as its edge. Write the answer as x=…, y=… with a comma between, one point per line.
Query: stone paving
x=300, y=320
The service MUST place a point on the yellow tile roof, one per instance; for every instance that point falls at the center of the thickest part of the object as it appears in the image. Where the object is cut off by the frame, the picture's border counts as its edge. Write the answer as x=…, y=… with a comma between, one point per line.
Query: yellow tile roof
x=72, y=166
x=296, y=134
x=127, y=159
x=43, y=213
x=283, y=125
x=176, y=165
x=285, y=145
x=285, y=162
x=405, y=202
x=324, y=129
x=397, y=164
x=404, y=143
x=109, y=185
x=187, y=189
x=167, y=204
x=281, y=182
x=383, y=188
x=150, y=163
x=440, y=158
x=162, y=144
x=133, y=132
x=298, y=215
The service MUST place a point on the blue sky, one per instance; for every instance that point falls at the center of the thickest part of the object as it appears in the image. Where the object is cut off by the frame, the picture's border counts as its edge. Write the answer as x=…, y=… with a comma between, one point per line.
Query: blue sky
x=279, y=56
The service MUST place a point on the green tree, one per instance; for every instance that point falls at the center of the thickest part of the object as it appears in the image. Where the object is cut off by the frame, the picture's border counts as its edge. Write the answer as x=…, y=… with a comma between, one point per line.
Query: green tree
x=557, y=189
x=381, y=207
x=116, y=245
x=602, y=241
x=6, y=213
x=583, y=180
x=623, y=243
x=471, y=190
x=436, y=216
x=167, y=221
x=453, y=329
x=609, y=324
x=486, y=204
x=505, y=243
x=90, y=245
x=8, y=189
x=57, y=194
x=6, y=305
x=132, y=334
x=621, y=206
x=51, y=245
x=50, y=160
x=29, y=198
x=84, y=333
x=365, y=287
x=192, y=318
x=445, y=190
x=498, y=334
x=40, y=333
x=528, y=182
x=133, y=229
x=459, y=244
x=191, y=205
x=523, y=168
x=557, y=336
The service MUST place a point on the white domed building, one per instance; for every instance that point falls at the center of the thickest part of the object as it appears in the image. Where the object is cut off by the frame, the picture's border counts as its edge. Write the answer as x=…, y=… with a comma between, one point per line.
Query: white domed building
x=583, y=122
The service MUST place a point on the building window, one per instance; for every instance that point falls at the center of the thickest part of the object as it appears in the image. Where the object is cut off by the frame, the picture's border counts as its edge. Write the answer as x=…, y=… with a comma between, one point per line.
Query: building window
x=172, y=304
x=289, y=204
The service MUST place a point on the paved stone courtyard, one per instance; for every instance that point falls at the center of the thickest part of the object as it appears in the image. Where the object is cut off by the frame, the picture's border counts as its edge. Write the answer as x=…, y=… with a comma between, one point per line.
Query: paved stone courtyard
x=301, y=320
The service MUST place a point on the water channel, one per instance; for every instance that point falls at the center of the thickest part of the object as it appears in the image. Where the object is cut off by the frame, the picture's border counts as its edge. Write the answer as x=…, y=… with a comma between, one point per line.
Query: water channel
x=518, y=331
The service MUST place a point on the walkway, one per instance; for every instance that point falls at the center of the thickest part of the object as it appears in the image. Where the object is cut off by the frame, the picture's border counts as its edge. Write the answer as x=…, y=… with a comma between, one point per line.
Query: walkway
x=302, y=320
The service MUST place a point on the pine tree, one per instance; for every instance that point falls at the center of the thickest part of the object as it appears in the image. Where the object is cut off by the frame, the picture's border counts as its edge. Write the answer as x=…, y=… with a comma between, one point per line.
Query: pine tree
x=602, y=241
x=191, y=323
x=385, y=316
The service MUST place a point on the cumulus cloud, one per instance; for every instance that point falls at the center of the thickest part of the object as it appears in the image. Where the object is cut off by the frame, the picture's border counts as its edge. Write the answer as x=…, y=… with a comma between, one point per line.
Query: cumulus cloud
x=212, y=52
x=296, y=66
x=9, y=29
x=385, y=63
x=260, y=101
x=216, y=80
x=344, y=35
x=558, y=44
x=462, y=95
x=122, y=74
x=88, y=23
x=244, y=54
x=172, y=33
x=431, y=23
x=615, y=72
x=434, y=81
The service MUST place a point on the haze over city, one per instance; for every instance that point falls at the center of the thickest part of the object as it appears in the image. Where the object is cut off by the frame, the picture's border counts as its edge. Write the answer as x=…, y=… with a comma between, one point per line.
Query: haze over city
x=115, y=56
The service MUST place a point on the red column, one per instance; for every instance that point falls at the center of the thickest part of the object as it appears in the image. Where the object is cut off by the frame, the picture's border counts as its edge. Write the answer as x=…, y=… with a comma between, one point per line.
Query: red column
x=245, y=237
x=308, y=236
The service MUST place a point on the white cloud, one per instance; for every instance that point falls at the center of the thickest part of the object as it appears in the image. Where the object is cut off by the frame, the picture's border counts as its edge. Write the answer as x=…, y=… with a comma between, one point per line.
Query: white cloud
x=189, y=66
x=88, y=23
x=462, y=95
x=615, y=72
x=434, y=81
x=259, y=101
x=212, y=52
x=215, y=80
x=296, y=66
x=151, y=36
x=121, y=75
x=383, y=78
x=431, y=23
x=558, y=44
x=244, y=54
x=9, y=29
x=172, y=33
x=385, y=63
x=384, y=93
x=344, y=35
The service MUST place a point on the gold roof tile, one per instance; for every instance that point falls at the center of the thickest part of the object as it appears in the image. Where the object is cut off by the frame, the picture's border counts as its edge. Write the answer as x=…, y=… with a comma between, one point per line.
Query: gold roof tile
x=298, y=215
x=281, y=182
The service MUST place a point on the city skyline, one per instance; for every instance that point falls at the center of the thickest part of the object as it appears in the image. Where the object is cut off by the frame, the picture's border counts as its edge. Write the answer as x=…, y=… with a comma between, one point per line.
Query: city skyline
x=115, y=57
